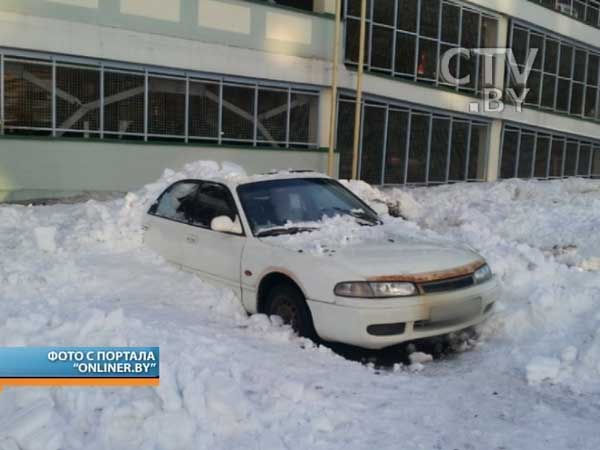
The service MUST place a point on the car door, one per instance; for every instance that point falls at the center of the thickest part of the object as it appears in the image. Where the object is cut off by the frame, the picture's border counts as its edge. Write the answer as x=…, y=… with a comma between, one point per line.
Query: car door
x=167, y=220
x=214, y=255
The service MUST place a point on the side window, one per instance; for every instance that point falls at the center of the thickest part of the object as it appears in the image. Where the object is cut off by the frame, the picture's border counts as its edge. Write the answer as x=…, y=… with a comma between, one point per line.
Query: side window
x=212, y=200
x=177, y=202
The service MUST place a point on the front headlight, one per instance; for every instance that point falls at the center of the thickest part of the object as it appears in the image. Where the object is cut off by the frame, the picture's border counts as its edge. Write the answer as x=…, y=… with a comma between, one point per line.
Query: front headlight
x=483, y=274
x=365, y=289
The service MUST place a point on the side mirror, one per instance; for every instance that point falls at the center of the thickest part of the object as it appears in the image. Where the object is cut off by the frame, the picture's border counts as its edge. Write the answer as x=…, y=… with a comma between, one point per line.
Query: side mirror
x=224, y=224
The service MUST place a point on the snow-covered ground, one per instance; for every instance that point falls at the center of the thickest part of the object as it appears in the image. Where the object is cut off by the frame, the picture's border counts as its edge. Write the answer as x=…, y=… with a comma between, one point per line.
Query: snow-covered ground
x=79, y=275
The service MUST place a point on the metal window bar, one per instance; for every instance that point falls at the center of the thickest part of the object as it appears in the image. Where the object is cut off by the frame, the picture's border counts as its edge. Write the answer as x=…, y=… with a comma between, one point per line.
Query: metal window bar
x=53, y=97
x=360, y=139
x=288, y=118
x=535, y=141
x=468, y=152
x=518, y=154
x=394, y=38
x=430, y=116
x=101, y=112
x=407, y=147
x=1, y=93
x=186, y=125
x=449, y=149
x=385, y=136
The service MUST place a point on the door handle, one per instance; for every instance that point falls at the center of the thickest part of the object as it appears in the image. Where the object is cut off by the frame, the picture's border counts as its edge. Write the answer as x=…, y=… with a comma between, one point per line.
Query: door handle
x=145, y=227
x=191, y=239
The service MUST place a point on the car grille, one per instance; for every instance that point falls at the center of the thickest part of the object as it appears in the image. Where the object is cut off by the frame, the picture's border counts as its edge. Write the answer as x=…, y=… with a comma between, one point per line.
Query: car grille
x=452, y=284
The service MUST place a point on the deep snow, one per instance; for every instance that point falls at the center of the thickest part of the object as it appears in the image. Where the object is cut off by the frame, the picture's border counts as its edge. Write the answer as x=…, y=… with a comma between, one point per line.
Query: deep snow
x=80, y=275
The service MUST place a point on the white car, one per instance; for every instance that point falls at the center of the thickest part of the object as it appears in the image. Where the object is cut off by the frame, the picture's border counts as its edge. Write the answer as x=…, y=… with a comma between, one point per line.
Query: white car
x=372, y=294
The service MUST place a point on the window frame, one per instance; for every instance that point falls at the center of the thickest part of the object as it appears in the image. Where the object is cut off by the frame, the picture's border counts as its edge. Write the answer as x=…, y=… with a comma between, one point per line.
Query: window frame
x=152, y=210
x=419, y=40
x=553, y=137
x=131, y=102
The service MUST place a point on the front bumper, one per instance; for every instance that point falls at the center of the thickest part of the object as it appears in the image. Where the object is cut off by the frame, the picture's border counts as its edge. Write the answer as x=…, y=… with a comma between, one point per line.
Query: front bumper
x=352, y=321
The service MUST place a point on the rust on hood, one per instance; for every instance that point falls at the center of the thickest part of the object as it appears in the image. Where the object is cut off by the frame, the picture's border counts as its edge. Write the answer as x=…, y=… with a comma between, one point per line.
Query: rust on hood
x=427, y=277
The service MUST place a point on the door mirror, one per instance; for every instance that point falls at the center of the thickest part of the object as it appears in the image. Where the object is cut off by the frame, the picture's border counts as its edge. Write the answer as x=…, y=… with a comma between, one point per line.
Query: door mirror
x=224, y=224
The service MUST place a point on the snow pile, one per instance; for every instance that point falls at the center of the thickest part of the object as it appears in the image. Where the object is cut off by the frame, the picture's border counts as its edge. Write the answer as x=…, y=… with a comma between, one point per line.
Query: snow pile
x=542, y=240
x=79, y=275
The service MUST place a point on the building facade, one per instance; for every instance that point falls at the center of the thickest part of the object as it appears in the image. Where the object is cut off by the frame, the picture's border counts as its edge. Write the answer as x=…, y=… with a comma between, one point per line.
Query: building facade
x=101, y=95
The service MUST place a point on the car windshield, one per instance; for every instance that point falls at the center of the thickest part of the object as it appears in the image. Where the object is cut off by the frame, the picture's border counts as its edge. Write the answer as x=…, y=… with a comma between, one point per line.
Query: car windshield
x=273, y=207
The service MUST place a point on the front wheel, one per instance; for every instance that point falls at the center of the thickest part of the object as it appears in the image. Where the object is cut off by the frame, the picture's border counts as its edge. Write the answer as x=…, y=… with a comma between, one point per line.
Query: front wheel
x=287, y=302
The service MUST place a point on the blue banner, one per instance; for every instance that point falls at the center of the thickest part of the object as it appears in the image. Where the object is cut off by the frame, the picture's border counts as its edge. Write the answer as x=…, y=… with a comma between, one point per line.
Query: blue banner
x=79, y=362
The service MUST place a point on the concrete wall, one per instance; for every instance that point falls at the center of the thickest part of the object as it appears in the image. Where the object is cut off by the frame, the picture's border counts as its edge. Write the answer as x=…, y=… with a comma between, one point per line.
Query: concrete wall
x=235, y=23
x=42, y=168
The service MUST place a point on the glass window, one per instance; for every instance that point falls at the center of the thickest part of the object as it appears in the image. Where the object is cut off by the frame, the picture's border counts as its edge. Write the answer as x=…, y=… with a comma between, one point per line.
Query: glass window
x=427, y=67
x=510, y=145
x=477, y=152
x=271, y=122
x=166, y=106
x=28, y=94
x=562, y=101
x=583, y=165
x=430, y=16
x=526, y=148
x=304, y=118
x=383, y=44
x=548, y=91
x=176, y=203
x=459, y=146
x=397, y=134
x=571, y=159
x=551, y=56
x=440, y=139
x=372, y=144
x=419, y=143
x=270, y=205
x=576, y=99
x=383, y=11
x=405, y=54
x=566, y=60
x=450, y=23
x=204, y=110
x=592, y=75
x=596, y=162
x=212, y=200
x=534, y=85
x=579, y=69
x=590, y=110
x=536, y=42
x=123, y=102
x=407, y=15
x=77, y=98
x=556, y=157
x=542, y=151
x=238, y=113
x=519, y=45
x=345, y=137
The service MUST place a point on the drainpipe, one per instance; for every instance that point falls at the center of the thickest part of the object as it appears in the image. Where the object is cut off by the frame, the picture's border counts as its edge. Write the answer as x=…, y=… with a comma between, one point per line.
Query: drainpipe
x=359, y=76
x=334, y=85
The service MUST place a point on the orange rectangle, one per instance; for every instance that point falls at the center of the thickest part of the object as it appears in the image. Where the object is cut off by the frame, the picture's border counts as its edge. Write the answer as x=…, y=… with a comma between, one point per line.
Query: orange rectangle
x=78, y=382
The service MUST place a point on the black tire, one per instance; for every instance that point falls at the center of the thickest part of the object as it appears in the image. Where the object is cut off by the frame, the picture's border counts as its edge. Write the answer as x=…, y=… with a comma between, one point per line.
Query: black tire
x=288, y=302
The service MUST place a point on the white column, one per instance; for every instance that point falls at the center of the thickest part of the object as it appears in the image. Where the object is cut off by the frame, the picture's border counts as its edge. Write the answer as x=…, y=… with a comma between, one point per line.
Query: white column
x=495, y=143
x=495, y=140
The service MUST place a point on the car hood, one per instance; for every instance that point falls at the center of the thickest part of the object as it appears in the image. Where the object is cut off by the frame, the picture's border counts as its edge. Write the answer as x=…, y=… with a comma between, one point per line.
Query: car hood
x=410, y=258
x=389, y=257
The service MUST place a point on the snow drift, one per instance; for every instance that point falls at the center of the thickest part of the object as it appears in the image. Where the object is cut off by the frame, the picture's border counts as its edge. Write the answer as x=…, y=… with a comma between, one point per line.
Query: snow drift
x=80, y=275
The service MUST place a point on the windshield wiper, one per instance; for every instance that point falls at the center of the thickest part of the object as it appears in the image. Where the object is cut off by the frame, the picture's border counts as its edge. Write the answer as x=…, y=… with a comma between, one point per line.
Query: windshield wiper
x=359, y=214
x=283, y=230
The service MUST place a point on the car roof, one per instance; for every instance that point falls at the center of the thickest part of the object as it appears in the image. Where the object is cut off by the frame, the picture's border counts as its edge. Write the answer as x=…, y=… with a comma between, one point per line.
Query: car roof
x=238, y=180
